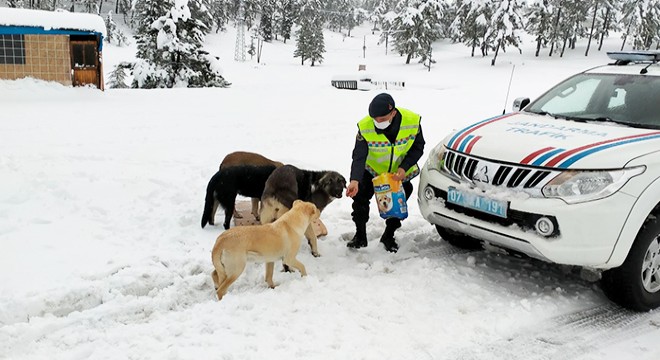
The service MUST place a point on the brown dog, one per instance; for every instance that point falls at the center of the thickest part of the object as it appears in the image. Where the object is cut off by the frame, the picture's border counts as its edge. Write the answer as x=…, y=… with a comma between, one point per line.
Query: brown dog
x=242, y=158
x=268, y=243
x=288, y=183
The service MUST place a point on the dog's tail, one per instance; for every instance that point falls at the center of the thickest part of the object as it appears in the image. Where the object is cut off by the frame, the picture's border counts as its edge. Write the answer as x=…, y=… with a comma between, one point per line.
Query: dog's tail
x=210, y=200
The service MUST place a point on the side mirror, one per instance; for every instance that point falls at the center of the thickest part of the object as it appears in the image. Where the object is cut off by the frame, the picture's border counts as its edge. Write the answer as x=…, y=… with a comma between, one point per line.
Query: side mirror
x=520, y=103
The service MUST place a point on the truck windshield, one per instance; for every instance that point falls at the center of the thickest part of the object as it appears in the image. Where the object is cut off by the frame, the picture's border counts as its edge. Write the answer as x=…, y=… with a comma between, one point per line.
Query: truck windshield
x=627, y=99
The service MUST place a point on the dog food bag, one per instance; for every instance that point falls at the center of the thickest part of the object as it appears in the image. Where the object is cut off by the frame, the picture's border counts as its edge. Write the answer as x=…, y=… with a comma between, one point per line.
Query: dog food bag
x=390, y=196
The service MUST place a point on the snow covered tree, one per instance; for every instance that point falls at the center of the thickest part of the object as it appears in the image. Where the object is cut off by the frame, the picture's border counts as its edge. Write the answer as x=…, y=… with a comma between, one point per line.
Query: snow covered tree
x=343, y=14
x=357, y=17
x=15, y=3
x=178, y=60
x=117, y=78
x=283, y=19
x=123, y=7
x=594, y=7
x=220, y=12
x=506, y=25
x=251, y=10
x=539, y=22
x=641, y=19
x=114, y=34
x=568, y=20
x=310, y=44
x=381, y=7
x=146, y=13
x=470, y=24
x=90, y=6
x=415, y=27
x=606, y=20
x=266, y=20
x=387, y=23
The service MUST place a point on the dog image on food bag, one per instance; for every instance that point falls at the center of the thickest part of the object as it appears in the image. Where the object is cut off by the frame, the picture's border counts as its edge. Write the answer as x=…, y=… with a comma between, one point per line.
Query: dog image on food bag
x=390, y=197
x=279, y=240
x=384, y=202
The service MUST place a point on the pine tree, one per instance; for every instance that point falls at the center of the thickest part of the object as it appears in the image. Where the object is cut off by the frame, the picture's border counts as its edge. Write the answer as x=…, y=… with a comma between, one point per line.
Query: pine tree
x=266, y=20
x=415, y=27
x=567, y=24
x=178, y=58
x=355, y=18
x=15, y=3
x=343, y=14
x=251, y=10
x=310, y=43
x=387, y=26
x=470, y=24
x=114, y=34
x=577, y=15
x=505, y=25
x=539, y=22
x=117, y=78
x=220, y=12
x=381, y=7
x=642, y=21
x=284, y=20
x=607, y=19
x=146, y=13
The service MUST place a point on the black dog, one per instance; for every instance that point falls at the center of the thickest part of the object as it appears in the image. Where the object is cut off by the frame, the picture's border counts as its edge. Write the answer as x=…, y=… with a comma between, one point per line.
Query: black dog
x=229, y=182
x=288, y=183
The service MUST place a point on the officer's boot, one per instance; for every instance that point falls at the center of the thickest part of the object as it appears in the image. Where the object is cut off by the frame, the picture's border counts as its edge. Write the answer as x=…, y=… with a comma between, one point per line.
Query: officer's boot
x=360, y=238
x=388, y=235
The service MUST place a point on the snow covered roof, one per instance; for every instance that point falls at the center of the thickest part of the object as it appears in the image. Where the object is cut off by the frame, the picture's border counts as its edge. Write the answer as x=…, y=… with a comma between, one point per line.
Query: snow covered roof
x=51, y=20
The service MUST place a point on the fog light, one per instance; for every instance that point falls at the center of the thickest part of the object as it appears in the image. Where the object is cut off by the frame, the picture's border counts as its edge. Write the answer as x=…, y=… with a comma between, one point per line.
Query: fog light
x=429, y=194
x=544, y=226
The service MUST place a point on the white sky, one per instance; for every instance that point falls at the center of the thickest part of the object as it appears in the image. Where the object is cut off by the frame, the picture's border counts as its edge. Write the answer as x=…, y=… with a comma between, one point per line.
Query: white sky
x=104, y=257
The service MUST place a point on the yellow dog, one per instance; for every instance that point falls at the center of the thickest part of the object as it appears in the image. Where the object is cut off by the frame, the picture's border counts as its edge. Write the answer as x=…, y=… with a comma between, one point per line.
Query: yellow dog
x=268, y=243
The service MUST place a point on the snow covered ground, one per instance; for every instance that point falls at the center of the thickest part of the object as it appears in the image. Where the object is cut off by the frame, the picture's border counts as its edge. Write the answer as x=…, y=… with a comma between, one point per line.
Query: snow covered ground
x=103, y=255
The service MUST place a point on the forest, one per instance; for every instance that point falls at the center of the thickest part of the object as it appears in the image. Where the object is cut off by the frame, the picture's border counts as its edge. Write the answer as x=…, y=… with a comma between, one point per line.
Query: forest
x=170, y=33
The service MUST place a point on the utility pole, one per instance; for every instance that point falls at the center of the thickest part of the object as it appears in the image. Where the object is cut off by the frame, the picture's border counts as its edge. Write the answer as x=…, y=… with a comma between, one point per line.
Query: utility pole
x=239, y=51
x=364, y=47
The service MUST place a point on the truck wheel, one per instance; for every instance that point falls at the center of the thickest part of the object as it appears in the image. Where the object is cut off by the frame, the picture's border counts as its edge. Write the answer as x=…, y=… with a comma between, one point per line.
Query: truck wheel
x=636, y=283
x=458, y=240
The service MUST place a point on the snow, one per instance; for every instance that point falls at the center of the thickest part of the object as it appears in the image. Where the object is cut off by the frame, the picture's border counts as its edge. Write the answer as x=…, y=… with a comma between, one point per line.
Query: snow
x=104, y=258
x=52, y=20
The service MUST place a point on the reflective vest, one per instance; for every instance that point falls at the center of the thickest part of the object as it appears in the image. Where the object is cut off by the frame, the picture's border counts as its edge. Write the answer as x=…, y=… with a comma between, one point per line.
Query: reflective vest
x=384, y=156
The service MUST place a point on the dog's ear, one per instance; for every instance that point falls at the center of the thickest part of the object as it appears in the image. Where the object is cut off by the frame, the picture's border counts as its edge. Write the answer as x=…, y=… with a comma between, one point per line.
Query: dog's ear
x=324, y=181
x=339, y=179
x=313, y=211
x=298, y=201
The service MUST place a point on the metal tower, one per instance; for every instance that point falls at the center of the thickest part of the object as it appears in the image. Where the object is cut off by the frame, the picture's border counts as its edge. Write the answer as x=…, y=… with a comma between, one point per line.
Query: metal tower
x=239, y=52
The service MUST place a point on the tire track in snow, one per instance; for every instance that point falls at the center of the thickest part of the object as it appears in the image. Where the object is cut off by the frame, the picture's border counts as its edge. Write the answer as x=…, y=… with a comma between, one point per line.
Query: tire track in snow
x=567, y=336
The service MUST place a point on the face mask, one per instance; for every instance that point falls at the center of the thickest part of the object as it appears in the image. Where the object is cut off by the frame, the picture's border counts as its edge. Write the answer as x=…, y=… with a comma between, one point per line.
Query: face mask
x=382, y=125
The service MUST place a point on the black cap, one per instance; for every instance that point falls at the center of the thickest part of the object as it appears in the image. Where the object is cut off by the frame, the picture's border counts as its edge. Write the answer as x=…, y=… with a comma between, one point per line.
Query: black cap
x=381, y=105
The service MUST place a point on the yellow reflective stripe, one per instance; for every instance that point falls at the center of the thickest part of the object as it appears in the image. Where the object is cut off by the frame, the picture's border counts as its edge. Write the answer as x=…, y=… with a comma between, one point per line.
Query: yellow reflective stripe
x=383, y=154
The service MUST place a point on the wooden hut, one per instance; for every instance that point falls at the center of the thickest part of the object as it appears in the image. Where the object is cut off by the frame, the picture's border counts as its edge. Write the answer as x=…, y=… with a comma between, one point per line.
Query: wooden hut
x=52, y=45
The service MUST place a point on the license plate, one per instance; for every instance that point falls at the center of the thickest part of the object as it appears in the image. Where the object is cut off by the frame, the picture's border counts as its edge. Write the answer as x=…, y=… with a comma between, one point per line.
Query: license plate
x=477, y=202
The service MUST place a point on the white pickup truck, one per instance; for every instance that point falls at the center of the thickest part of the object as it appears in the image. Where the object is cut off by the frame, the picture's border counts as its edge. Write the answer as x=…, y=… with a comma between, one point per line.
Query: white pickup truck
x=570, y=178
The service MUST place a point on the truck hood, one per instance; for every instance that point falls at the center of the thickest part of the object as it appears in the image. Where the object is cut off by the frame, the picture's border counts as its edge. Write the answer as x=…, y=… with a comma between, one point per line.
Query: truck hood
x=539, y=140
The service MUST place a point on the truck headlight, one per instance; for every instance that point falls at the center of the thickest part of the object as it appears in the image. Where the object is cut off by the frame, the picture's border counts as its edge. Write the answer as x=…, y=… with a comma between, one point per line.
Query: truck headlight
x=436, y=158
x=576, y=186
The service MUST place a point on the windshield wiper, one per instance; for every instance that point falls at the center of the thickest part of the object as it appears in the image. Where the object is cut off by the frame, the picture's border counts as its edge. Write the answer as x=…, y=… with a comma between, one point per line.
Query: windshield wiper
x=606, y=119
x=559, y=116
x=544, y=113
x=574, y=118
x=625, y=123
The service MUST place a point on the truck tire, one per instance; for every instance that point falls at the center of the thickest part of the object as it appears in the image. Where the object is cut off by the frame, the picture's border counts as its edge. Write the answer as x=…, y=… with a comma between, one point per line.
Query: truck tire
x=636, y=283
